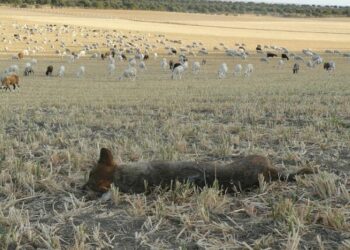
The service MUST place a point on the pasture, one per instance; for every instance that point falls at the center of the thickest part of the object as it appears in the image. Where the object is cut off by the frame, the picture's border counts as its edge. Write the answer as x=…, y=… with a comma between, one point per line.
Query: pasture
x=51, y=131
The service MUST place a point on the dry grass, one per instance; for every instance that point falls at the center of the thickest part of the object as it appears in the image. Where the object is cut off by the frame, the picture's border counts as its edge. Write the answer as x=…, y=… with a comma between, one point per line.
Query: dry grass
x=52, y=130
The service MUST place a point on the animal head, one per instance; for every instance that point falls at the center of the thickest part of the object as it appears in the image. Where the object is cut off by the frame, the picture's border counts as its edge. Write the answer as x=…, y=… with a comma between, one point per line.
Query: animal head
x=101, y=176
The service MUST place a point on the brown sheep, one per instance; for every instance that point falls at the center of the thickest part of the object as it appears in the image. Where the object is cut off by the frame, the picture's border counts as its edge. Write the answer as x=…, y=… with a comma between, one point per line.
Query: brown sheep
x=9, y=80
x=240, y=174
x=20, y=55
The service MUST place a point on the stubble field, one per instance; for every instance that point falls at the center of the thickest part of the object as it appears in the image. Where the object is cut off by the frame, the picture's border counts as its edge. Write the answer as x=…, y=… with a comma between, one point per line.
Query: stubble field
x=52, y=130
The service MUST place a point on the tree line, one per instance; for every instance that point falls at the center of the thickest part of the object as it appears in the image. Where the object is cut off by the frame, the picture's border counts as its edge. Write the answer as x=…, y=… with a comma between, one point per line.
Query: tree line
x=195, y=6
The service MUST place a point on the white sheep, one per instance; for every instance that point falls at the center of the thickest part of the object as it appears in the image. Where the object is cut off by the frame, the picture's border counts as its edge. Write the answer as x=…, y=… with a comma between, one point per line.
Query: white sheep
x=196, y=66
x=71, y=59
x=12, y=69
x=177, y=72
x=81, y=71
x=222, y=70
x=248, y=70
x=111, y=68
x=164, y=64
x=129, y=73
x=238, y=69
x=61, y=71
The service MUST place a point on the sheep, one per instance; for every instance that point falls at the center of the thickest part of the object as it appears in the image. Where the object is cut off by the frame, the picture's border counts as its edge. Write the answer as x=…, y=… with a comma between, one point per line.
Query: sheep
x=142, y=65
x=329, y=66
x=129, y=73
x=173, y=65
x=94, y=56
x=196, y=66
x=285, y=56
x=49, y=70
x=111, y=68
x=28, y=69
x=20, y=55
x=61, y=71
x=222, y=70
x=111, y=60
x=71, y=59
x=248, y=70
x=317, y=59
x=177, y=72
x=13, y=69
x=237, y=70
x=9, y=80
x=296, y=68
x=270, y=54
x=81, y=71
x=164, y=64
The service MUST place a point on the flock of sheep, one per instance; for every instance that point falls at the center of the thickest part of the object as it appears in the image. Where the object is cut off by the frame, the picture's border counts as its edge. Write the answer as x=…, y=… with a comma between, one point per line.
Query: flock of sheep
x=136, y=50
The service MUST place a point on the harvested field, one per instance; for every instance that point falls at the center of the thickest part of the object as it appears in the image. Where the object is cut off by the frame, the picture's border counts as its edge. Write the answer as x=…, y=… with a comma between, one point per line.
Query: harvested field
x=52, y=129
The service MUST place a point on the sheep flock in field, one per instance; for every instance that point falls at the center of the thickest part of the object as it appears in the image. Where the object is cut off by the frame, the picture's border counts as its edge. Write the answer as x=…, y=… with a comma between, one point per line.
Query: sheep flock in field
x=126, y=56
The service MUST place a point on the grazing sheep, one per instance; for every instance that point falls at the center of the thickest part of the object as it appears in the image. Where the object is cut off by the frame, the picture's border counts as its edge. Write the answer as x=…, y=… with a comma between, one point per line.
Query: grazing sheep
x=61, y=71
x=177, y=72
x=329, y=66
x=196, y=66
x=164, y=64
x=28, y=69
x=223, y=69
x=270, y=54
x=237, y=70
x=12, y=69
x=111, y=68
x=71, y=59
x=94, y=56
x=317, y=59
x=285, y=56
x=258, y=48
x=20, y=55
x=173, y=65
x=142, y=65
x=81, y=71
x=49, y=70
x=248, y=70
x=296, y=68
x=10, y=80
x=129, y=73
